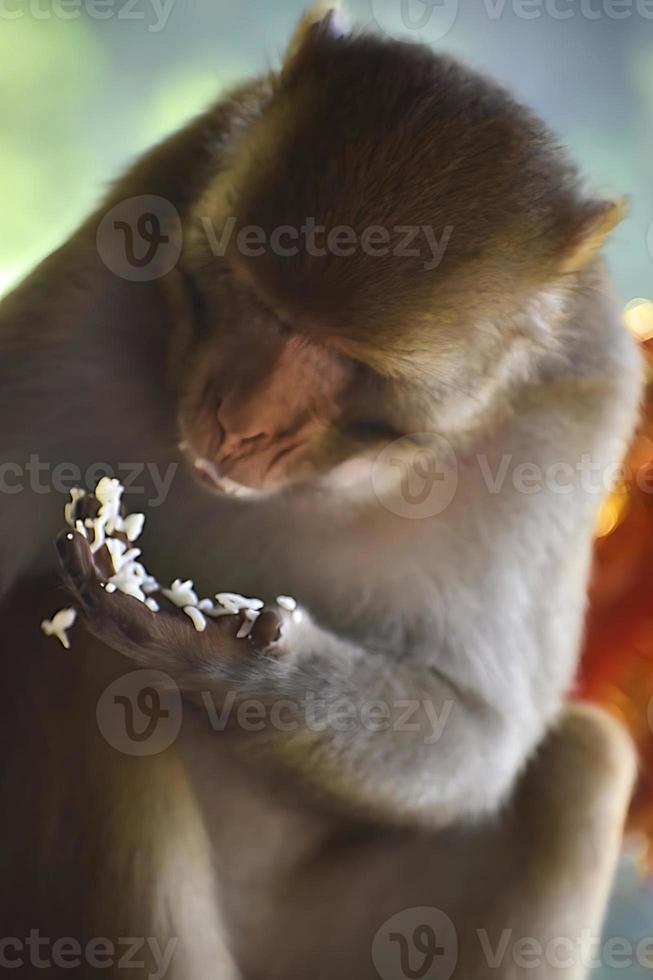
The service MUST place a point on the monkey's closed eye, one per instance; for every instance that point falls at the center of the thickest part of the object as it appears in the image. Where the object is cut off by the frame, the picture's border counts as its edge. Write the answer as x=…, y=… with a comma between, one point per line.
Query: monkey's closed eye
x=372, y=430
x=197, y=304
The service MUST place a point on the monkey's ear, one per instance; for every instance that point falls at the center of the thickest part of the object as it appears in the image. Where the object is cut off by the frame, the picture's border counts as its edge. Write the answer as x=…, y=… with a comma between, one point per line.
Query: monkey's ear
x=597, y=221
x=325, y=19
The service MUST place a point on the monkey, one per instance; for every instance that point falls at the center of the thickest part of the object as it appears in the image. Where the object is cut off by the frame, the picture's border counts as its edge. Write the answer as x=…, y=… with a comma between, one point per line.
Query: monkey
x=296, y=388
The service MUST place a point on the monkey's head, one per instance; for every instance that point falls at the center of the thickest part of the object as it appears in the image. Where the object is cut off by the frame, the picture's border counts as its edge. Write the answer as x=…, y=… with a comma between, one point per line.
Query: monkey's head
x=390, y=237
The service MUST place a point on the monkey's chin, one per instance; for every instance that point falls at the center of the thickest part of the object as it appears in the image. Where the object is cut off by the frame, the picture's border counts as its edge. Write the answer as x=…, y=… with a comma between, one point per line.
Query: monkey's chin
x=210, y=477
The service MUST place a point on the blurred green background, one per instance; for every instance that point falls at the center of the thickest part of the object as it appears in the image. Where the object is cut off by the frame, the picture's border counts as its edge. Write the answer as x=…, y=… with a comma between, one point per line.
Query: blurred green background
x=87, y=84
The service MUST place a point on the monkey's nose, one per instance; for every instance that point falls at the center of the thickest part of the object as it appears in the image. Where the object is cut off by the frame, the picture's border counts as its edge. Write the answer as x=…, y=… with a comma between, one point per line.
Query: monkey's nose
x=242, y=421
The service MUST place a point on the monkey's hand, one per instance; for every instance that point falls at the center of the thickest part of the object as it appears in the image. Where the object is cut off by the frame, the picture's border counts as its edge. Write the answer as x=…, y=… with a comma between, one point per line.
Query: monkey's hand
x=373, y=734
x=167, y=639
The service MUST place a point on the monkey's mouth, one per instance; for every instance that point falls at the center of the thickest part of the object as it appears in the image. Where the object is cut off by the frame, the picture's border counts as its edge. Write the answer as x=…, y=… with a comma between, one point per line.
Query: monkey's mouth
x=209, y=475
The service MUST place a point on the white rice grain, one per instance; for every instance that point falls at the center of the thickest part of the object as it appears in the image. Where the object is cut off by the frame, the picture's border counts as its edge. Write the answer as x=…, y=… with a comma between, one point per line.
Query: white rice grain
x=199, y=621
x=69, y=509
x=133, y=526
x=58, y=626
x=234, y=602
x=245, y=629
x=181, y=593
x=287, y=602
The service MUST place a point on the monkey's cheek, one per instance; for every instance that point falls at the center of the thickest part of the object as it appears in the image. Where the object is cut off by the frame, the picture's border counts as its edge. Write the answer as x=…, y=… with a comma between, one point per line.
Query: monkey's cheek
x=352, y=474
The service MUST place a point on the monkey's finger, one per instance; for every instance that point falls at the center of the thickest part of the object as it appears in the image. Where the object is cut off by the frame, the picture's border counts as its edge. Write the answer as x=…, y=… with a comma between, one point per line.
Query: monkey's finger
x=85, y=580
x=76, y=559
x=81, y=572
x=268, y=630
x=163, y=640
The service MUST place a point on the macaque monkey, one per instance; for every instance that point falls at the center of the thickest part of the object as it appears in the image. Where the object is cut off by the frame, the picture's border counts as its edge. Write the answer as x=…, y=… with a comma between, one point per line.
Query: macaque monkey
x=451, y=321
